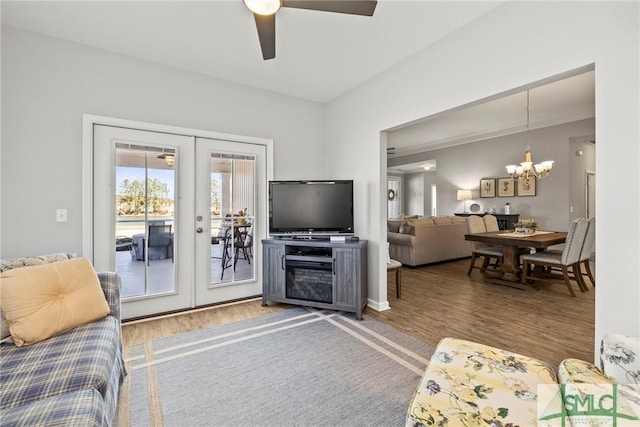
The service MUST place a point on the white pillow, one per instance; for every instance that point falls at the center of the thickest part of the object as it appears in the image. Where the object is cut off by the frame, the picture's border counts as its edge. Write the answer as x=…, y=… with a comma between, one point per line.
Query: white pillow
x=620, y=359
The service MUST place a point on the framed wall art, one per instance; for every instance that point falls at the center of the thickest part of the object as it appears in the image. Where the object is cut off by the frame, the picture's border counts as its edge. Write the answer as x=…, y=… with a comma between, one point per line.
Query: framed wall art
x=506, y=187
x=526, y=187
x=488, y=187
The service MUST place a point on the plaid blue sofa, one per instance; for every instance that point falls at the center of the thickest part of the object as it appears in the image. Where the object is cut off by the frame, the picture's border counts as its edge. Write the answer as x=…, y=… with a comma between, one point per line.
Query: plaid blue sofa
x=71, y=379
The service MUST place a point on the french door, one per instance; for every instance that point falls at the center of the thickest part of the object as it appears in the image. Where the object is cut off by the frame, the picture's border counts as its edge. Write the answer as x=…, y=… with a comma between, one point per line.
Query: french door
x=230, y=219
x=178, y=217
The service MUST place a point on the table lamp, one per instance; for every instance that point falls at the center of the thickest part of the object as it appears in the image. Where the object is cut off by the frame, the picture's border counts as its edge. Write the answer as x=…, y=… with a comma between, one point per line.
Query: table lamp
x=464, y=195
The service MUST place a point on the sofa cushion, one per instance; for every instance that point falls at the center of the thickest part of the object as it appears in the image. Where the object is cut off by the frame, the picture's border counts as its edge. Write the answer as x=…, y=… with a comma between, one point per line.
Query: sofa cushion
x=458, y=220
x=394, y=225
x=442, y=220
x=88, y=356
x=407, y=228
x=41, y=301
x=620, y=359
x=82, y=408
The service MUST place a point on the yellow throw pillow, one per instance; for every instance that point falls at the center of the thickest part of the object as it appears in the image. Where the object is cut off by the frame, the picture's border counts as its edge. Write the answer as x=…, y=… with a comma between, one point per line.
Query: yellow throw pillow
x=42, y=301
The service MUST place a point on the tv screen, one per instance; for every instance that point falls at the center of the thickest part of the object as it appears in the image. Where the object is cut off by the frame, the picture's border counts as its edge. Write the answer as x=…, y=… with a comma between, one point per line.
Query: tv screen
x=311, y=208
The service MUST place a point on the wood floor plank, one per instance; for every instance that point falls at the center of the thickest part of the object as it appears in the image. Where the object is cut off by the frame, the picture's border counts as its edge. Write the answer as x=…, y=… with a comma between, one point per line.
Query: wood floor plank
x=442, y=301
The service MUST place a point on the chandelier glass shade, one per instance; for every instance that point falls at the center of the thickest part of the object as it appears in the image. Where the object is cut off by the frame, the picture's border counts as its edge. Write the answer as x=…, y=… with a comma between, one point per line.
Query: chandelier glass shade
x=527, y=169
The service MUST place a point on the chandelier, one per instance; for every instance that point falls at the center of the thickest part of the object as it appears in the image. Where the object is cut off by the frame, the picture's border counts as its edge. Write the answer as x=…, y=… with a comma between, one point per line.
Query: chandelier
x=527, y=170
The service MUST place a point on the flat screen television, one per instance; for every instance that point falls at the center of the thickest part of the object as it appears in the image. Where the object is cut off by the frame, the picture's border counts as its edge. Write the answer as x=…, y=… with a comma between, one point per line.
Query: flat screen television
x=310, y=208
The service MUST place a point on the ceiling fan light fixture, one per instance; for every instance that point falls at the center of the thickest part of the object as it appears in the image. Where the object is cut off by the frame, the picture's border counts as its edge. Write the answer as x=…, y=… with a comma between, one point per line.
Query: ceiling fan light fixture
x=263, y=7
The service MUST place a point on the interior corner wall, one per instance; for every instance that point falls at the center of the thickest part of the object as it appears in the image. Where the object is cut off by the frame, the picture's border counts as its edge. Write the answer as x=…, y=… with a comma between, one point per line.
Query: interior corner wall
x=47, y=86
x=513, y=45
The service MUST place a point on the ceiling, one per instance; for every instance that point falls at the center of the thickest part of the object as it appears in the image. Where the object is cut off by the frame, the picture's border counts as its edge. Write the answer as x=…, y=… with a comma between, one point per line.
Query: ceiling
x=319, y=55
x=552, y=103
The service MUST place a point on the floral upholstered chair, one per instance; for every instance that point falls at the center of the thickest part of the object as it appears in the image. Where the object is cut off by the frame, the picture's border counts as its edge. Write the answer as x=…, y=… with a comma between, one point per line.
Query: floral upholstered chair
x=470, y=384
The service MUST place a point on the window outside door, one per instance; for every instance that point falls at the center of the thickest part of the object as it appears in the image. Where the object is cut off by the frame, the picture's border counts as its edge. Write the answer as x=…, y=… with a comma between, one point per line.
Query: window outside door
x=231, y=217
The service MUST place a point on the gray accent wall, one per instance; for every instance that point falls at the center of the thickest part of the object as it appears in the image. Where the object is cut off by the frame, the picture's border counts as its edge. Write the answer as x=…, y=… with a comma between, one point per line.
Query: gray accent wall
x=462, y=167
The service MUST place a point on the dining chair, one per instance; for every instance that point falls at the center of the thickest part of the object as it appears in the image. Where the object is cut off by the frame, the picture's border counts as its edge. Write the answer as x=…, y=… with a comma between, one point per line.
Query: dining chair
x=227, y=246
x=160, y=236
x=491, y=222
x=567, y=261
x=586, y=253
x=587, y=250
x=475, y=224
x=244, y=243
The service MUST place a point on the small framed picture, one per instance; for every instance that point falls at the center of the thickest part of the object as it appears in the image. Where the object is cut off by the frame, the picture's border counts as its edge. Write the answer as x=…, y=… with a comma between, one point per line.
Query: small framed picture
x=506, y=187
x=488, y=187
x=526, y=187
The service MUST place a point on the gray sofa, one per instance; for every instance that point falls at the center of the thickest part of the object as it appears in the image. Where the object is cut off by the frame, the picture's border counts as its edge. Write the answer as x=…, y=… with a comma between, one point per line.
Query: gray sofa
x=71, y=379
x=417, y=241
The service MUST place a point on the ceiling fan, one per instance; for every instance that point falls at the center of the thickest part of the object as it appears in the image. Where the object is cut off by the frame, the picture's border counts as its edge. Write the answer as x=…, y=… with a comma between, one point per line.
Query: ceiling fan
x=264, y=13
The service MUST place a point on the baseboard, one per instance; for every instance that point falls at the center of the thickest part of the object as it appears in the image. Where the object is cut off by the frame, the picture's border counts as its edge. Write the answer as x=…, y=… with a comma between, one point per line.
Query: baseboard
x=377, y=305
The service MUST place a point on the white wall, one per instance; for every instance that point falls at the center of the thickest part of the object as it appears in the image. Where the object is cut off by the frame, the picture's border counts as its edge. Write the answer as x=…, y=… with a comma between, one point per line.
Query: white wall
x=47, y=85
x=414, y=194
x=513, y=45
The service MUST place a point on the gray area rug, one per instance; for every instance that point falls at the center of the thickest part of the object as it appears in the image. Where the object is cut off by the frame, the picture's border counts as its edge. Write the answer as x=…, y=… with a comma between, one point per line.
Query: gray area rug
x=297, y=367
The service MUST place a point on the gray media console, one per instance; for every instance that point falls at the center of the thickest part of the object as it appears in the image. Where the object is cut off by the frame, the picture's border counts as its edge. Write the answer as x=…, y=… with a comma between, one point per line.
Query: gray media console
x=315, y=273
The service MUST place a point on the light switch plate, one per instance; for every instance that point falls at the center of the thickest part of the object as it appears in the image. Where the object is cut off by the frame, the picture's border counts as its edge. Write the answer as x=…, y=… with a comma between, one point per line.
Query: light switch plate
x=61, y=215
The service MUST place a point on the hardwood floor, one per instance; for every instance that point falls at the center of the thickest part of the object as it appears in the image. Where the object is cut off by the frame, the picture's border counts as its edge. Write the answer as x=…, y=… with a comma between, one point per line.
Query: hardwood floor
x=439, y=301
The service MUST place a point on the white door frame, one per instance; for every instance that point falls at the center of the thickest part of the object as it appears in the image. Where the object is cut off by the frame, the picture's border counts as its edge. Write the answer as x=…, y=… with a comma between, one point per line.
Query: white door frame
x=88, y=123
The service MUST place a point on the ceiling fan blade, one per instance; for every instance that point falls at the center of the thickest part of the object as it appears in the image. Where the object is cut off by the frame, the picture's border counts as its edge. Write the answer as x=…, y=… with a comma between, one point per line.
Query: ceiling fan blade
x=353, y=7
x=266, y=26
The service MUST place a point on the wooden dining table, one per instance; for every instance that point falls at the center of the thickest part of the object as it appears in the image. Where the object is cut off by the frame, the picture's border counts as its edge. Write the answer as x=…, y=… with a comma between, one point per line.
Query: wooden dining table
x=512, y=244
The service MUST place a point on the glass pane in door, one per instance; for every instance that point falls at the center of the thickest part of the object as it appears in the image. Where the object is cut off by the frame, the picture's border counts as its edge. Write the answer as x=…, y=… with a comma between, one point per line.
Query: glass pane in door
x=232, y=217
x=145, y=220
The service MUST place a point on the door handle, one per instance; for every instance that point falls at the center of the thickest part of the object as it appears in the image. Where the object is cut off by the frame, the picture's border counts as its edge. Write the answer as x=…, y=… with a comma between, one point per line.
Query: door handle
x=199, y=230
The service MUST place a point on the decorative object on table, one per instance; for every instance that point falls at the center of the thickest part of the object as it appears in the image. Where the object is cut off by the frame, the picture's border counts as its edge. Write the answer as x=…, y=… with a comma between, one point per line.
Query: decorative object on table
x=526, y=188
x=475, y=208
x=464, y=195
x=526, y=226
x=527, y=171
x=506, y=187
x=507, y=208
x=488, y=187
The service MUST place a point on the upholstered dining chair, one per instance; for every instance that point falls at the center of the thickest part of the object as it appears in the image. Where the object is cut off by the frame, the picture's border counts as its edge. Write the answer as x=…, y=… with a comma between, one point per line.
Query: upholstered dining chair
x=587, y=250
x=475, y=224
x=491, y=222
x=567, y=261
x=395, y=266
